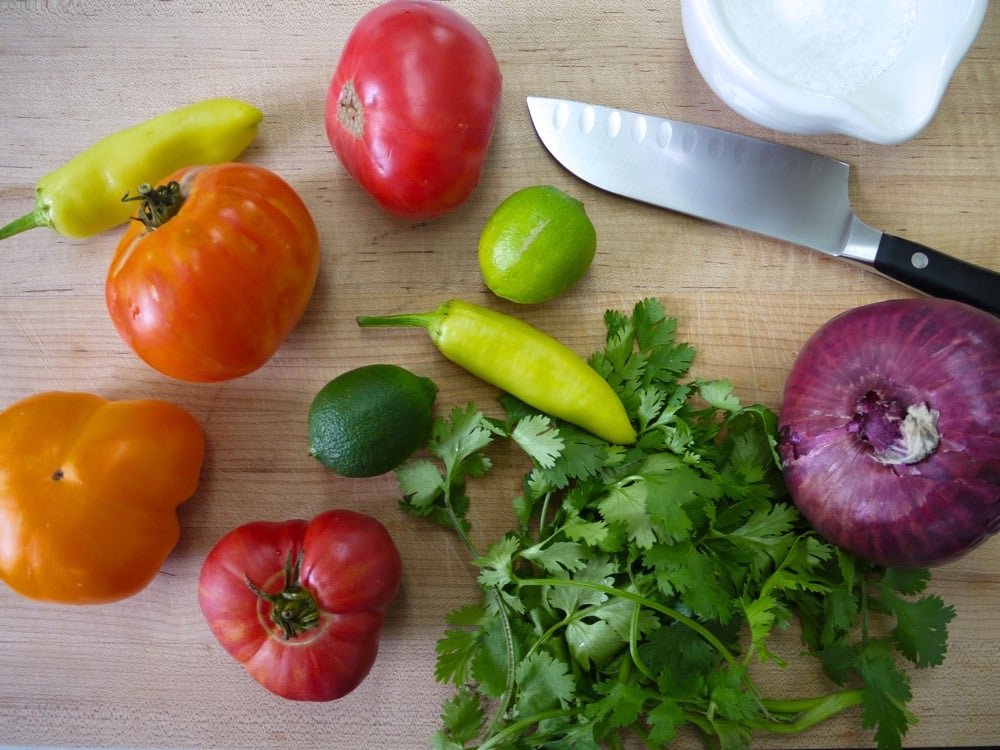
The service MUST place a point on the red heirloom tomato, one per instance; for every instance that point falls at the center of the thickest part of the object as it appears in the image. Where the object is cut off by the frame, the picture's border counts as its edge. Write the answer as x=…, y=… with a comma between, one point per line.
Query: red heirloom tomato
x=412, y=105
x=301, y=604
x=215, y=274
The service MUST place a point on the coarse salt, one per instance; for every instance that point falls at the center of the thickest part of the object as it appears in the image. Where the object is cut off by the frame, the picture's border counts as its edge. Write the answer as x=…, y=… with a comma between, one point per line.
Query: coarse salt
x=830, y=47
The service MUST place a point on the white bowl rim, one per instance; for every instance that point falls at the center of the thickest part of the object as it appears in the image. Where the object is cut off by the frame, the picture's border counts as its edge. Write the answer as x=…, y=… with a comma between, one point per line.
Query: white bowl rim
x=785, y=107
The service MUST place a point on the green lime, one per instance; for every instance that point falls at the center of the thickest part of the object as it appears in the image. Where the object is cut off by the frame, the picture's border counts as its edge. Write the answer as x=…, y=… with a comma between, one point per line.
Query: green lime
x=367, y=421
x=536, y=245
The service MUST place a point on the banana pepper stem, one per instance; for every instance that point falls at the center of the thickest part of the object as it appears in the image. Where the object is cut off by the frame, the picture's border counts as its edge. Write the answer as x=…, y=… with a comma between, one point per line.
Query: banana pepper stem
x=414, y=320
x=293, y=608
x=37, y=218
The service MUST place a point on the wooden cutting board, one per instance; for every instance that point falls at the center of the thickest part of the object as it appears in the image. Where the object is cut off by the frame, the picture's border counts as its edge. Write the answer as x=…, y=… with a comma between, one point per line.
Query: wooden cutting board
x=146, y=671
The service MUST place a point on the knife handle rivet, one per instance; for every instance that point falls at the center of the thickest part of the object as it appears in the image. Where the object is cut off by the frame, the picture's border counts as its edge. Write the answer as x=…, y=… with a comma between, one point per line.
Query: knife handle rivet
x=919, y=260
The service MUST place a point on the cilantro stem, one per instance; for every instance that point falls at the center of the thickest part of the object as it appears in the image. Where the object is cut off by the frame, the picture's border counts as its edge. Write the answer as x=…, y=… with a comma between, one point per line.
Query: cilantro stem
x=641, y=600
x=457, y=525
x=542, y=516
x=633, y=645
x=864, y=610
x=808, y=712
x=510, y=677
x=514, y=728
x=555, y=628
x=770, y=583
x=508, y=634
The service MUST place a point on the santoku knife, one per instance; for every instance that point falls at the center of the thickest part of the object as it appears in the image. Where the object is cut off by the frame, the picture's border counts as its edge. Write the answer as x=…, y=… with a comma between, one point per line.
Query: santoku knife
x=780, y=191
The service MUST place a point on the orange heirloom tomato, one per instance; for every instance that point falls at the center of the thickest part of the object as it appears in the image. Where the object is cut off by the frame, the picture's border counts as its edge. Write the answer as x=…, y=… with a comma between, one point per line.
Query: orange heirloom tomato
x=88, y=493
x=215, y=273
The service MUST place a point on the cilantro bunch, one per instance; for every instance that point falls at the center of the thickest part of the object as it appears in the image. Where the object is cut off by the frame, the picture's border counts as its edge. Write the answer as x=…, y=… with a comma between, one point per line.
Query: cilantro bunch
x=642, y=583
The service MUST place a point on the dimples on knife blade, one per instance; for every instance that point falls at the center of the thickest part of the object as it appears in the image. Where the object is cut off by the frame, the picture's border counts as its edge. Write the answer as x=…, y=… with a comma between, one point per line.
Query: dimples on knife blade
x=722, y=177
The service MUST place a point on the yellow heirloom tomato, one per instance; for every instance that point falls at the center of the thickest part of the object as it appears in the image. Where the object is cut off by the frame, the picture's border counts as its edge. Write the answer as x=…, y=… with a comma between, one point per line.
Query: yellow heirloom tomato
x=88, y=493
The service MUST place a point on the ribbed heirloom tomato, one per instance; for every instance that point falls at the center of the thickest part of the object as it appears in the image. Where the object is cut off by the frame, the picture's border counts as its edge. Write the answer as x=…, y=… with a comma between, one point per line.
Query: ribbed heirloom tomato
x=412, y=106
x=216, y=274
x=300, y=604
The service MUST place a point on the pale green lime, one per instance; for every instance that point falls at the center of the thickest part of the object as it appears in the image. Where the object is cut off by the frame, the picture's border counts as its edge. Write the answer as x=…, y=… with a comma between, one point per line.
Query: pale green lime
x=369, y=420
x=536, y=245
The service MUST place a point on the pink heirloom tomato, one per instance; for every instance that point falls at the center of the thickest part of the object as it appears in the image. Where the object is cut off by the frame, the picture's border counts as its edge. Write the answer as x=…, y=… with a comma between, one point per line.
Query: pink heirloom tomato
x=300, y=604
x=412, y=106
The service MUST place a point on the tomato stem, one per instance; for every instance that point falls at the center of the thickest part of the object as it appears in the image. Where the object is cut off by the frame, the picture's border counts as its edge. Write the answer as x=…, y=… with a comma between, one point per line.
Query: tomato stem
x=350, y=110
x=293, y=608
x=158, y=205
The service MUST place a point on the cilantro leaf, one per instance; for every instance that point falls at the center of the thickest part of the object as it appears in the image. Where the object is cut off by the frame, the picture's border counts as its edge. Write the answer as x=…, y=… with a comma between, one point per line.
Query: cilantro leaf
x=761, y=615
x=729, y=696
x=578, y=529
x=601, y=631
x=592, y=643
x=920, y=632
x=719, y=394
x=621, y=704
x=537, y=437
x=462, y=714
x=491, y=660
x=496, y=567
x=696, y=577
x=626, y=504
x=556, y=557
x=568, y=598
x=457, y=646
x=652, y=327
x=421, y=484
x=664, y=718
x=544, y=682
x=440, y=740
x=907, y=581
x=886, y=692
x=459, y=444
x=582, y=456
x=684, y=660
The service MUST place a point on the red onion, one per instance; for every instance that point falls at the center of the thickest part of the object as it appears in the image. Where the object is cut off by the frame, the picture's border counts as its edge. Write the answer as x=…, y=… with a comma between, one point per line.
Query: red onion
x=890, y=430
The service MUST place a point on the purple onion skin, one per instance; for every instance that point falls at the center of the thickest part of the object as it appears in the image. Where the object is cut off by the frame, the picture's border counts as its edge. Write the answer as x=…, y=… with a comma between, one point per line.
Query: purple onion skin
x=855, y=376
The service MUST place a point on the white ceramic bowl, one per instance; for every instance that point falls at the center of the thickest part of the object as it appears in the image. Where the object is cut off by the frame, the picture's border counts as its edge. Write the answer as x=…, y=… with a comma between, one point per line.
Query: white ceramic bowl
x=872, y=69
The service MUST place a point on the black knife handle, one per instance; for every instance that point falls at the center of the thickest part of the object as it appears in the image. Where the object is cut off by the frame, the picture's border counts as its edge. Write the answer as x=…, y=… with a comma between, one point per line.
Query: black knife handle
x=937, y=274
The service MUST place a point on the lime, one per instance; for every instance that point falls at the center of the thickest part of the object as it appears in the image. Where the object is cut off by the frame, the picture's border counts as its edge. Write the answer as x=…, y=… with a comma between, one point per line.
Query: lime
x=537, y=244
x=369, y=420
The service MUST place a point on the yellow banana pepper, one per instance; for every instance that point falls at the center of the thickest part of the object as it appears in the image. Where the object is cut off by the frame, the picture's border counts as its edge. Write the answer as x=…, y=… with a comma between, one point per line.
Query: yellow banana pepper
x=525, y=362
x=84, y=197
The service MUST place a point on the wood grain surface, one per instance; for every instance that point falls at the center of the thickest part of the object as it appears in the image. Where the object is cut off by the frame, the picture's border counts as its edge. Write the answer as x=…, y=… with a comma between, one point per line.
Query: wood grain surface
x=146, y=672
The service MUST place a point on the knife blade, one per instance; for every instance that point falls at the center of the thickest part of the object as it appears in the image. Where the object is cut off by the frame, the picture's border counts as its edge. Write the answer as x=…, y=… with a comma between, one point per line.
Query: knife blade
x=757, y=185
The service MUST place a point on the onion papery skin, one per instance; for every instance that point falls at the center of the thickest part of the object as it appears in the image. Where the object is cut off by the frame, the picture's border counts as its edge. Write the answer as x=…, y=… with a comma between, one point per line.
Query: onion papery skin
x=937, y=353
